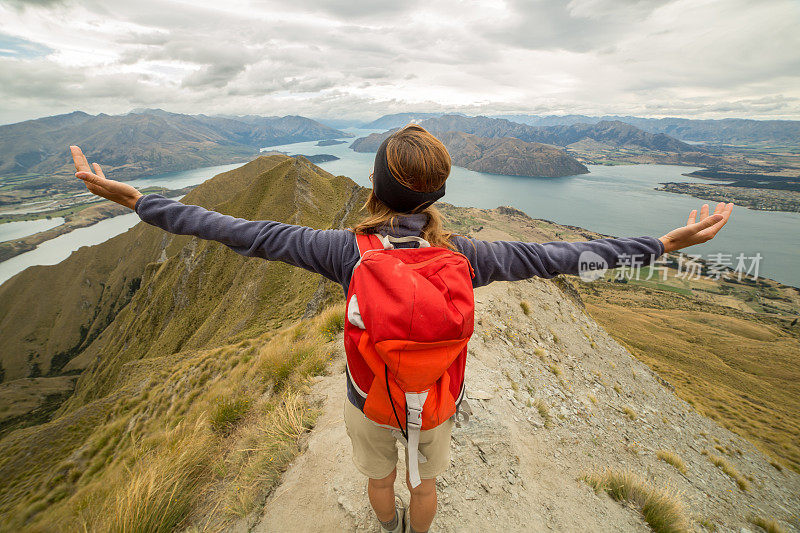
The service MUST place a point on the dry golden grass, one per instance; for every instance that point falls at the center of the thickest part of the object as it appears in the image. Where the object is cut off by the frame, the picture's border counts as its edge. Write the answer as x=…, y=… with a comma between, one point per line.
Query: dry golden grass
x=261, y=450
x=673, y=459
x=739, y=371
x=707, y=524
x=332, y=322
x=227, y=413
x=164, y=485
x=544, y=412
x=724, y=465
x=202, y=443
x=629, y=412
x=661, y=509
x=768, y=525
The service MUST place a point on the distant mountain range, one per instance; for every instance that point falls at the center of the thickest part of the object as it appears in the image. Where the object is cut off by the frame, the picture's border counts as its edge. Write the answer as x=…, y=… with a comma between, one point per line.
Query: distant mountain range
x=611, y=140
x=723, y=131
x=611, y=133
x=501, y=155
x=148, y=141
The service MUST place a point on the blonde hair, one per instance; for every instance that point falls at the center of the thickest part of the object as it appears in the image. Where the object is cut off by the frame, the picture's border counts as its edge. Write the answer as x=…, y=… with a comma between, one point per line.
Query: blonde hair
x=422, y=163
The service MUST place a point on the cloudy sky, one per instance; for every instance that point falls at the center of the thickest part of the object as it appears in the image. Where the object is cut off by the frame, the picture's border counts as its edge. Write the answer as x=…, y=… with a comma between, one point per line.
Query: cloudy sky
x=365, y=58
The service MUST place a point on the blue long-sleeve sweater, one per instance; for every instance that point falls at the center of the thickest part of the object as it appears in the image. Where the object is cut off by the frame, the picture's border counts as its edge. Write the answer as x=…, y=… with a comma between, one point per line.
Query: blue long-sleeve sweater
x=333, y=253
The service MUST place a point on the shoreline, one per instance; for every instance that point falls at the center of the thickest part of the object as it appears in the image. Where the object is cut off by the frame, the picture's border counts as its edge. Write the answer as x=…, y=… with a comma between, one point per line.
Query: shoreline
x=752, y=198
x=92, y=213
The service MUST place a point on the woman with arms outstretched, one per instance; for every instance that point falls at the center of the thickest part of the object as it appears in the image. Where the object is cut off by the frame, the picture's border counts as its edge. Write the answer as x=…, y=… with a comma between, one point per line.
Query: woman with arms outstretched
x=411, y=167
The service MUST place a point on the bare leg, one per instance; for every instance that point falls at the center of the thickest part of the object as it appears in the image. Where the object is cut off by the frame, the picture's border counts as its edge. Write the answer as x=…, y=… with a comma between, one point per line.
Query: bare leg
x=422, y=507
x=381, y=496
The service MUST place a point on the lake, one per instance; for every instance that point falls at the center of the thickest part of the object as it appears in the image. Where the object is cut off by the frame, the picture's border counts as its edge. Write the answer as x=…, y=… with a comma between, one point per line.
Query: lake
x=614, y=200
x=16, y=230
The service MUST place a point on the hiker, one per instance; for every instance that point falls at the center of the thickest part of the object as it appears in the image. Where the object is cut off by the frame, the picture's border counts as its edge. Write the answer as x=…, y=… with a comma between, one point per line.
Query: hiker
x=378, y=264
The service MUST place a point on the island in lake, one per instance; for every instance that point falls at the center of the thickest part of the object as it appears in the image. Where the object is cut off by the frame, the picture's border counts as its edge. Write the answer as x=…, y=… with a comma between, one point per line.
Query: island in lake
x=498, y=155
x=318, y=158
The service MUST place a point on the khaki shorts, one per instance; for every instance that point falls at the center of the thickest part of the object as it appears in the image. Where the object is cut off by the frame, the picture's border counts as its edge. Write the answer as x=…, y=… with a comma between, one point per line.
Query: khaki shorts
x=375, y=448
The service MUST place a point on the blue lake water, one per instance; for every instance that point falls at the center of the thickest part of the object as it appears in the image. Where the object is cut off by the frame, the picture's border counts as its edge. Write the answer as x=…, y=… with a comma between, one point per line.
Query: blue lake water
x=56, y=250
x=16, y=230
x=614, y=200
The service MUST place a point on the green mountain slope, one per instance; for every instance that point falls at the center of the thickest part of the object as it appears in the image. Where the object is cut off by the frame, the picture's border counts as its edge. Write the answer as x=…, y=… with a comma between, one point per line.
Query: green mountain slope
x=172, y=322
x=66, y=329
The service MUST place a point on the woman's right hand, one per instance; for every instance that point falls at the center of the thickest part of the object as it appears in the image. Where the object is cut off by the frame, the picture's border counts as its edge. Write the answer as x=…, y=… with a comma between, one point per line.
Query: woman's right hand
x=696, y=232
x=98, y=184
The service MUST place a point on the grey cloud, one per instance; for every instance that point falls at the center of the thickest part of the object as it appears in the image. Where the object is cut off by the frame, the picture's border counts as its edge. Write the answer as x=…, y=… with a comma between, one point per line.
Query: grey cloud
x=326, y=58
x=22, y=4
x=349, y=9
x=212, y=75
x=574, y=26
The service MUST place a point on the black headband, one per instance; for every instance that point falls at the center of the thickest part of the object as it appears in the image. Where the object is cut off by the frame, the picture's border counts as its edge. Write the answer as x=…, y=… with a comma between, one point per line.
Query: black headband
x=393, y=193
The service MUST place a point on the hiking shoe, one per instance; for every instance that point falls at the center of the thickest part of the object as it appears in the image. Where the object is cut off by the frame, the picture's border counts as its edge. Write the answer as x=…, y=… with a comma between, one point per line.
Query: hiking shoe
x=400, y=508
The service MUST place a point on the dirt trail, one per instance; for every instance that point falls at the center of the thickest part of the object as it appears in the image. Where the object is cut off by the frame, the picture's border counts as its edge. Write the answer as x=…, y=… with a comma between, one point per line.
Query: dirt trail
x=513, y=469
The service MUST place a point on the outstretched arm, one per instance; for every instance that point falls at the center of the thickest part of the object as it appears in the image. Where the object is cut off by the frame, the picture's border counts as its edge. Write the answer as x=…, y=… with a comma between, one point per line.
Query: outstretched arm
x=321, y=251
x=515, y=260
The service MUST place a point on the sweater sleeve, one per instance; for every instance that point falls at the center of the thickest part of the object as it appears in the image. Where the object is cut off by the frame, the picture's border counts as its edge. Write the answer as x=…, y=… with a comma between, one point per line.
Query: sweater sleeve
x=514, y=260
x=322, y=251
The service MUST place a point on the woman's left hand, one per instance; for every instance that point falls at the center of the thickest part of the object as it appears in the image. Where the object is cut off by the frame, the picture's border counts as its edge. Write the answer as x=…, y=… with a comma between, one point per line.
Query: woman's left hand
x=97, y=183
x=696, y=232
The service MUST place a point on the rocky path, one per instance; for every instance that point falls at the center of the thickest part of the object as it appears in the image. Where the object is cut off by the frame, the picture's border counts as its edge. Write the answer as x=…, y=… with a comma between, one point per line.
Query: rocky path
x=553, y=396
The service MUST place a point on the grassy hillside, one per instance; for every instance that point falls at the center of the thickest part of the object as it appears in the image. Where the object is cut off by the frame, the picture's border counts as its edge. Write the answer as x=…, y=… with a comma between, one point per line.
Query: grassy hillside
x=192, y=438
x=198, y=348
x=196, y=293
x=737, y=368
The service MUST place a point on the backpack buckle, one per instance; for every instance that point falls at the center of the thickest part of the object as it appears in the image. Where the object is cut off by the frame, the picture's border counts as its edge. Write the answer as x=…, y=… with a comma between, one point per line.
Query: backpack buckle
x=414, y=417
x=414, y=403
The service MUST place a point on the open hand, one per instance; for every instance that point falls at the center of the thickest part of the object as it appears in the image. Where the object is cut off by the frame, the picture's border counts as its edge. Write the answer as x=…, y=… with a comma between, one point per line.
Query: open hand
x=698, y=232
x=98, y=184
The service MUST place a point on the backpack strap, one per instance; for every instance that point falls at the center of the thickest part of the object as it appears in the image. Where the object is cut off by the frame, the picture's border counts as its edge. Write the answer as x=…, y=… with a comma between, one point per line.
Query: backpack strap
x=414, y=403
x=377, y=241
x=368, y=241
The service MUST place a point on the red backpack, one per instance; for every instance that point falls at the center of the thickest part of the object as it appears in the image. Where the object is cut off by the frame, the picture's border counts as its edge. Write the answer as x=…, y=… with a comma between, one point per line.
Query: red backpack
x=410, y=314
